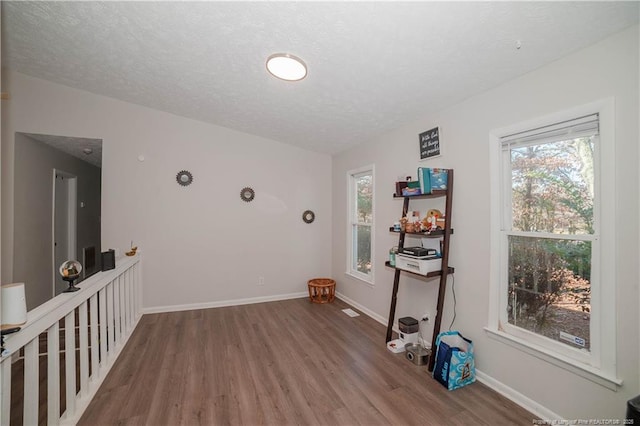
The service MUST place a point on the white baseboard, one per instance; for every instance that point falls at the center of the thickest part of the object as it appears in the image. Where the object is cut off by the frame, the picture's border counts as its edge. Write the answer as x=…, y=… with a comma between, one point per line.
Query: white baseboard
x=224, y=303
x=365, y=310
x=382, y=320
x=529, y=404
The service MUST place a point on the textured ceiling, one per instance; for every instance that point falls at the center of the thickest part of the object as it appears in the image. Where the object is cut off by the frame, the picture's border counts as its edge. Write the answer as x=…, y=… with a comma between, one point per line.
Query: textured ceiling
x=372, y=66
x=73, y=146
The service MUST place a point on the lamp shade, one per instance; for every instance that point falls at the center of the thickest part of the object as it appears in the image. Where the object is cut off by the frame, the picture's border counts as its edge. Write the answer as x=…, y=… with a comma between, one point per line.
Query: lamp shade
x=14, y=305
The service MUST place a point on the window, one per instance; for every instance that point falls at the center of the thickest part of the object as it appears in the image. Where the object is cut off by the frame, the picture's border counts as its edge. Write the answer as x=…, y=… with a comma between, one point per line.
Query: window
x=548, y=288
x=360, y=223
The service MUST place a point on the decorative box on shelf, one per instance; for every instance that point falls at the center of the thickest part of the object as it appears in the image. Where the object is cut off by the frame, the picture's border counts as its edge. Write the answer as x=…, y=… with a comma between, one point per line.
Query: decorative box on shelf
x=412, y=188
x=410, y=192
x=400, y=186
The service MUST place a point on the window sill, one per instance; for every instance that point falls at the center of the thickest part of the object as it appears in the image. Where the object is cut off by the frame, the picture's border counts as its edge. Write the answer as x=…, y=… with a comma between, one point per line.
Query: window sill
x=566, y=363
x=368, y=282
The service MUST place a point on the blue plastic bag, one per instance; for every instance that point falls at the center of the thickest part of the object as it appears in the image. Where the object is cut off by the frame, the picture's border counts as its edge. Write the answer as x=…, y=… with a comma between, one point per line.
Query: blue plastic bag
x=455, y=365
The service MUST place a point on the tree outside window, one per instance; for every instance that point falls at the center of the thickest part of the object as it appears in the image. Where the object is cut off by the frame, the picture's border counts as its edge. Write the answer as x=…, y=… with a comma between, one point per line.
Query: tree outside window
x=364, y=191
x=361, y=184
x=550, y=243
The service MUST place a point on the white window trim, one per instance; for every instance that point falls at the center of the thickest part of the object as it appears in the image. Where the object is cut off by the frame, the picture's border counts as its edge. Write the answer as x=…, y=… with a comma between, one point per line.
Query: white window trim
x=600, y=365
x=368, y=279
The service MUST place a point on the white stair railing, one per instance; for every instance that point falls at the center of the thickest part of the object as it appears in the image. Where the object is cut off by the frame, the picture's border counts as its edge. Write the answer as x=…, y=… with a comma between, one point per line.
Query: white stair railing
x=97, y=320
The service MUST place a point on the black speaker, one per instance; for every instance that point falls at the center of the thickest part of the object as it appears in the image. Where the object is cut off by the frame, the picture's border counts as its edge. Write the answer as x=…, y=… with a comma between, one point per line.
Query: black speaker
x=633, y=411
x=108, y=260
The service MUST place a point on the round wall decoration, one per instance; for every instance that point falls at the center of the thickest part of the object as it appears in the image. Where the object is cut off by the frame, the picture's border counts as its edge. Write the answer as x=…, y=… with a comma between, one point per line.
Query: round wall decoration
x=184, y=178
x=308, y=216
x=247, y=194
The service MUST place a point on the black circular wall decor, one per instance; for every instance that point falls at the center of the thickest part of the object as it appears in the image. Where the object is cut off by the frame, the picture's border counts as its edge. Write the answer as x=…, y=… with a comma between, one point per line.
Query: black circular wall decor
x=184, y=178
x=308, y=216
x=247, y=194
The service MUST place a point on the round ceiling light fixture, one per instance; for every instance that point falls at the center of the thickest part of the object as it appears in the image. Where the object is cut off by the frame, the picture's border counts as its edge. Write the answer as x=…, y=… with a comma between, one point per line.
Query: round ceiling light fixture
x=286, y=67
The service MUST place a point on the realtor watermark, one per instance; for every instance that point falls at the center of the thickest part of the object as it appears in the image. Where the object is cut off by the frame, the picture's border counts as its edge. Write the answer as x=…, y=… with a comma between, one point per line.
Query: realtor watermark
x=583, y=422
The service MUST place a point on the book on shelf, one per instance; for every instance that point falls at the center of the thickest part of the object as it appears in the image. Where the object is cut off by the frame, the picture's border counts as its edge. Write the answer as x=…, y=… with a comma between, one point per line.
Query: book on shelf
x=438, y=179
x=424, y=177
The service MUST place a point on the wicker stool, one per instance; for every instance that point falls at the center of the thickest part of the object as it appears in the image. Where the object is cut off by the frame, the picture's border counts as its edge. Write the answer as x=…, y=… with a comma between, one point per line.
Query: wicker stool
x=322, y=290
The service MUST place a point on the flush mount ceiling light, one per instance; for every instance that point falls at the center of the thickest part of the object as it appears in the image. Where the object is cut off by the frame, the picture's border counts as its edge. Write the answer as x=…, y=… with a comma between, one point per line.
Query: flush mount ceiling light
x=286, y=67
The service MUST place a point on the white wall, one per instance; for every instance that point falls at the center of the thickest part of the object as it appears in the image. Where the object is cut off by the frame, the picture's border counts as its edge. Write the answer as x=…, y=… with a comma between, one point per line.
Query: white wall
x=607, y=69
x=201, y=244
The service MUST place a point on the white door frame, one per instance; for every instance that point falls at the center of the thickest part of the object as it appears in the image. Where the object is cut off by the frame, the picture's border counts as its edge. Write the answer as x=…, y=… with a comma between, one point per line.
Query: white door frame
x=71, y=222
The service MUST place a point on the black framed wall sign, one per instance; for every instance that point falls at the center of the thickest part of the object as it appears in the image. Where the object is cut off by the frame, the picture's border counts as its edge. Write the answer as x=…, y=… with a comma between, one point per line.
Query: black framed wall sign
x=429, y=143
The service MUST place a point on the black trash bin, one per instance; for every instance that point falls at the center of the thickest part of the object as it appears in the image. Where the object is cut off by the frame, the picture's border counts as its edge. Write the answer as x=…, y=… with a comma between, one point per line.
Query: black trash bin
x=633, y=410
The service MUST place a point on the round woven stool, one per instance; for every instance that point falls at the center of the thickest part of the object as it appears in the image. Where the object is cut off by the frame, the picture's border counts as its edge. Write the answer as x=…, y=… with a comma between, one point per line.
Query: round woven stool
x=322, y=290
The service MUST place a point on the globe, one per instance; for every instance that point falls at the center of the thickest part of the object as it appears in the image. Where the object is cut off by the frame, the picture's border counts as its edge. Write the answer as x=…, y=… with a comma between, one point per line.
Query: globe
x=70, y=271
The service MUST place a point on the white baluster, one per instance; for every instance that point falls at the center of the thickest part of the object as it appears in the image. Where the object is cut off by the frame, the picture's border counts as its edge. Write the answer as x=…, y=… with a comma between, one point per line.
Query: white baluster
x=110, y=323
x=134, y=286
x=102, y=295
x=70, y=362
x=123, y=304
x=116, y=310
x=83, y=318
x=138, y=290
x=5, y=374
x=31, y=388
x=94, y=340
x=128, y=300
x=131, y=293
x=53, y=374
x=134, y=317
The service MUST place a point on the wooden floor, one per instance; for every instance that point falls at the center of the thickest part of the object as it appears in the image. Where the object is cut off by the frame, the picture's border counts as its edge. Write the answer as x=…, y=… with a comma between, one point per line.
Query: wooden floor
x=280, y=363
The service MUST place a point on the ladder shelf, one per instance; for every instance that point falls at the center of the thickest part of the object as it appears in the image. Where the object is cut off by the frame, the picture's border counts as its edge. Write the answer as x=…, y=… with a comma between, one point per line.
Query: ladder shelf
x=445, y=269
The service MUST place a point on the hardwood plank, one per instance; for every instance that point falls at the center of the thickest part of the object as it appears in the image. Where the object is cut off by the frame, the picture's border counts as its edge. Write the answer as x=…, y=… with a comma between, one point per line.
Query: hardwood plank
x=279, y=363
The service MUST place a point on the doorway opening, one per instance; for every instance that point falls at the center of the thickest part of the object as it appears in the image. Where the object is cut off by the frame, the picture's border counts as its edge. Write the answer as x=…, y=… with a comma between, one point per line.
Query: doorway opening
x=65, y=195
